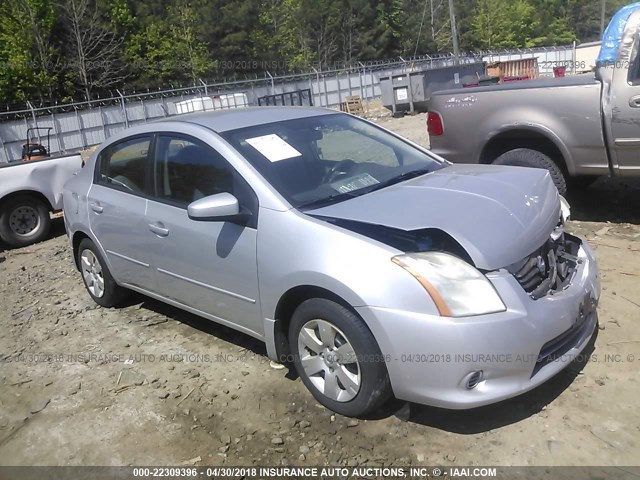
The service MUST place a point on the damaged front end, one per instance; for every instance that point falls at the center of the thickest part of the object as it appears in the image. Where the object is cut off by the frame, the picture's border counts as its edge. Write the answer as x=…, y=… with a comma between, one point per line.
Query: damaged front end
x=550, y=268
x=421, y=240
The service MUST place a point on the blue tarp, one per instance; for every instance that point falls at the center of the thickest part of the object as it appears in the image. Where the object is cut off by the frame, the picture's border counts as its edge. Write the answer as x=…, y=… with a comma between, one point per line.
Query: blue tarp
x=614, y=32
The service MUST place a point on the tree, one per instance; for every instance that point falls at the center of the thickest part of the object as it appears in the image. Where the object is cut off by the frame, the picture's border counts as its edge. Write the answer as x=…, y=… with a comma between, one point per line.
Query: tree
x=501, y=24
x=93, y=48
x=51, y=51
x=169, y=52
x=27, y=50
x=584, y=17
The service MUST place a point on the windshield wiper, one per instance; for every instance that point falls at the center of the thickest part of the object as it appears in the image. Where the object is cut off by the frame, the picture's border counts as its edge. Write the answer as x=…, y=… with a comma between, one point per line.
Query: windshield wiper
x=323, y=202
x=400, y=178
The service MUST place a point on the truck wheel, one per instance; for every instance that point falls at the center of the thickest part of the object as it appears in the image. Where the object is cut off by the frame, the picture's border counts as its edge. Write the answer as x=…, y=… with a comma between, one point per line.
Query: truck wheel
x=526, y=157
x=337, y=358
x=24, y=219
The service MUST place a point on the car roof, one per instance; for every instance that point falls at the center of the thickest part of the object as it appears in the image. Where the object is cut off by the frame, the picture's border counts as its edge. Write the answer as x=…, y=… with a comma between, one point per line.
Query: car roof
x=232, y=119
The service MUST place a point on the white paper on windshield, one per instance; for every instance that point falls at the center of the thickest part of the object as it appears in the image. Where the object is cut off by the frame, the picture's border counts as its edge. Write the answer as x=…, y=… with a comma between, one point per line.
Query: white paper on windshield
x=273, y=147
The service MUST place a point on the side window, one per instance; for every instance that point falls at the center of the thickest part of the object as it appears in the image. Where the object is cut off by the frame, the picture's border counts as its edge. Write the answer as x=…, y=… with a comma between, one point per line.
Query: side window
x=633, y=77
x=338, y=145
x=186, y=171
x=123, y=165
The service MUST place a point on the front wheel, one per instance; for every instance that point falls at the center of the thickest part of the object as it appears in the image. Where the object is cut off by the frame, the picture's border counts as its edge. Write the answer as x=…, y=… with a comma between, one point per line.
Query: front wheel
x=97, y=277
x=337, y=358
x=526, y=157
x=24, y=220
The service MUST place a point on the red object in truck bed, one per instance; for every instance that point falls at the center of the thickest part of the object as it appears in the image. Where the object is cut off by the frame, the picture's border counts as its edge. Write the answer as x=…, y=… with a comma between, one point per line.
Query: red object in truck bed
x=516, y=78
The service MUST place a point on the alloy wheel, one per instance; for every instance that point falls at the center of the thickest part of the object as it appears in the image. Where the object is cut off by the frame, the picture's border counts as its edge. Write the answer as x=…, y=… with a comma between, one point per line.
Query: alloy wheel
x=92, y=273
x=329, y=360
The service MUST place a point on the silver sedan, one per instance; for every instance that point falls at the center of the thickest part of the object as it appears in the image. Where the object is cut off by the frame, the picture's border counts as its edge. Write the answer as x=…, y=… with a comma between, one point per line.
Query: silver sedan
x=372, y=266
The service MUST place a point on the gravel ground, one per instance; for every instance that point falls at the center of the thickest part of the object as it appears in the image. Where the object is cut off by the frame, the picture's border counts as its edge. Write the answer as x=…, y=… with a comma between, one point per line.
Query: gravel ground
x=148, y=384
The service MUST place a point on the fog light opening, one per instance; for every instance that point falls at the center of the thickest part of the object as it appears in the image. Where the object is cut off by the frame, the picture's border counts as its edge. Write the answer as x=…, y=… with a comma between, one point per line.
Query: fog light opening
x=473, y=379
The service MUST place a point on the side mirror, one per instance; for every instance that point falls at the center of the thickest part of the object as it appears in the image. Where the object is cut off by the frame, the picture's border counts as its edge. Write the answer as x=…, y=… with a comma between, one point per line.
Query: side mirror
x=219, y=207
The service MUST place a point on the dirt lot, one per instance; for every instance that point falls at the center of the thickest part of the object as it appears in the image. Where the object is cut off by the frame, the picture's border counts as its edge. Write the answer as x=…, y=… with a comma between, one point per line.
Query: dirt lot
x=148, y=384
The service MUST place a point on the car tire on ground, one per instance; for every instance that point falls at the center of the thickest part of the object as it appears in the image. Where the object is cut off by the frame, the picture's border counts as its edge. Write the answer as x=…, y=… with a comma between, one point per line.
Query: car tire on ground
x=24, y=219
x=97, y=277
x=526, y=157
x=337, y=358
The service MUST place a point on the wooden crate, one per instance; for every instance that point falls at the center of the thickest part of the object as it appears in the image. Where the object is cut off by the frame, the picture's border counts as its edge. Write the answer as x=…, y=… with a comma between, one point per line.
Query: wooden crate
x=524, y=67
x=353, y=105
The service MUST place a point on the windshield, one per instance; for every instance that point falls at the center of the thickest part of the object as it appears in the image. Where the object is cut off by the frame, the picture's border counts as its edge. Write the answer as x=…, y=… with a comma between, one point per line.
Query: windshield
x=316, y=161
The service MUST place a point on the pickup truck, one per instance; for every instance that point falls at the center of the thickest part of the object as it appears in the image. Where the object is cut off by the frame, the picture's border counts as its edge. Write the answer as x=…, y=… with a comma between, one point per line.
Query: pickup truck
x=29, y=192
x=577, y=127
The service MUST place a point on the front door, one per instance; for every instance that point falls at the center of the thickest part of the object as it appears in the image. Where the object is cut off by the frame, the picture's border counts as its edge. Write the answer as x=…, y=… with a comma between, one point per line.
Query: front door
x=207, y=265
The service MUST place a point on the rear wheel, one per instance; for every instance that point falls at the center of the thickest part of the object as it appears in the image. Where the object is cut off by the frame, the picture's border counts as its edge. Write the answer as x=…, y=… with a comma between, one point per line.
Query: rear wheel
x=337, y=358
x=97, y=277
x=526, y=157
x=24, y=220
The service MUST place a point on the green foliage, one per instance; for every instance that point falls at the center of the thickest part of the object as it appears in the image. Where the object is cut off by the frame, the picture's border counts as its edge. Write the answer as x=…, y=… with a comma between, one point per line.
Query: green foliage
x=27, y=59
x=501, y=24
x=159, y=43
x=167, y=51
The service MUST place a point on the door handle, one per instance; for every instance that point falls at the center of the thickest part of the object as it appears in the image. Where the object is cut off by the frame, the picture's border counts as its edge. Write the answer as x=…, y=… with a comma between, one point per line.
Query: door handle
x=158, y=229
x=634, y=102
x=96, y=207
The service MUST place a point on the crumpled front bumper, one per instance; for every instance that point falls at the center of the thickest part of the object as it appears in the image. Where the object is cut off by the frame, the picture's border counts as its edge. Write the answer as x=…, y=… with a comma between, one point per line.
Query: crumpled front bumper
x=430, y=358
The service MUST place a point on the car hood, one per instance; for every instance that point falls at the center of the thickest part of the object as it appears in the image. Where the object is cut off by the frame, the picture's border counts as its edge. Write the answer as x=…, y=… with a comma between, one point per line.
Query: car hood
x=498, y=214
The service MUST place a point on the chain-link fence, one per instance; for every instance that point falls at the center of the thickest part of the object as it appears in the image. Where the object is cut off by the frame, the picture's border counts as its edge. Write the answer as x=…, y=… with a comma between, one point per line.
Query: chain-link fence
x=76, y=126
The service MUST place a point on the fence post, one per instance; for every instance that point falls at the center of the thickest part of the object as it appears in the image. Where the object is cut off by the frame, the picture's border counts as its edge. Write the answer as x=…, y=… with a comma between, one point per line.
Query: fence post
x=204, y=108
x=104, y=124
x=6, y=152
x=81, y=128
x=317, y=83
x=206, y=91
x=326, y=95
x=58, y=137
x=360, y=80
x=144, y=110
x=273, y=86
x=124, y=109
x=165, y=110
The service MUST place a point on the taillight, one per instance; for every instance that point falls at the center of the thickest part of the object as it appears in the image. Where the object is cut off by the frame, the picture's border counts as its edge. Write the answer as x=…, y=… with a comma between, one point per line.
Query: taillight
x=434, y=124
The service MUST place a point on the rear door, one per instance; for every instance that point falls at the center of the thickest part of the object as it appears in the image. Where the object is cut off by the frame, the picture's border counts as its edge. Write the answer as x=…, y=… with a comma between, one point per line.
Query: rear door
x=207, y=265
x=117, y=204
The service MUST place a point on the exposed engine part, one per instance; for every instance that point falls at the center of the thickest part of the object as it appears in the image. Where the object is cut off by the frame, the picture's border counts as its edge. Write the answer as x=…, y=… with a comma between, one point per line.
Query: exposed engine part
x=550, y=268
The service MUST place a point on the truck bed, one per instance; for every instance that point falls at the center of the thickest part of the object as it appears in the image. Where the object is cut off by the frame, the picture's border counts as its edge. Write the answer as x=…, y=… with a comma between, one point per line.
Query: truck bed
x=565, y=110
x=46, y=176
x=544, y=82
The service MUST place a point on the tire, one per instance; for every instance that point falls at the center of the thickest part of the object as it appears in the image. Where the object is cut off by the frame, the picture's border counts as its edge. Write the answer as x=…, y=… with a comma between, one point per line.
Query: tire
x=355, y=379
x=96, y=276
x=24, y=219
x=525, y=157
